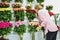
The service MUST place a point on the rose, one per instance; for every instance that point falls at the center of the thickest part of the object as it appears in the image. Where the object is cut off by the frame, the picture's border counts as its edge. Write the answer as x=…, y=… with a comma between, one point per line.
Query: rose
x=19, y=27
x=4, y=4
x=18, y=23
x=51, y=13
x=16, y=5
x=5, y=28
x=31, y=10
x=5, y=24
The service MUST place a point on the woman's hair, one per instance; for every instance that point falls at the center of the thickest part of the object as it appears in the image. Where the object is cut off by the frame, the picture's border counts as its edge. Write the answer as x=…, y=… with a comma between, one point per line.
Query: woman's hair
x=39, y=6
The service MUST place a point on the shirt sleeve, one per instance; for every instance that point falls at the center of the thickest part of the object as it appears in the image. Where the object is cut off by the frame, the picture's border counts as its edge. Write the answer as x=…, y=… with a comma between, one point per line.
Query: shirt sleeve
x=42, y=17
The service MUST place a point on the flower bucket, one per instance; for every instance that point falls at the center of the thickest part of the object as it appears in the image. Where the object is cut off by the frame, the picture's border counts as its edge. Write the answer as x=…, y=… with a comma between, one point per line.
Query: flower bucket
x=13, y=36
x=27, y=36
x=39, y=35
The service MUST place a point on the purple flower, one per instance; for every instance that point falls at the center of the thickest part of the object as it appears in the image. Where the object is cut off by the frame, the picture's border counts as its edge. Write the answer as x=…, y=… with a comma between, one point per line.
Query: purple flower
x=18, y=23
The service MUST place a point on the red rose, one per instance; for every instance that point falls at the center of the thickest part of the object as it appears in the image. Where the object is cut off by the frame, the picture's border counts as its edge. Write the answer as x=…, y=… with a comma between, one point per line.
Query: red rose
x=31, y=10
x=51, y=13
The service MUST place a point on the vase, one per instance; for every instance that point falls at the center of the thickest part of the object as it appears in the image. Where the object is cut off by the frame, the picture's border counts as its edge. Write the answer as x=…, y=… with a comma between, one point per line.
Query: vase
x=39, y=35
x=27, y=36
x=13, y=36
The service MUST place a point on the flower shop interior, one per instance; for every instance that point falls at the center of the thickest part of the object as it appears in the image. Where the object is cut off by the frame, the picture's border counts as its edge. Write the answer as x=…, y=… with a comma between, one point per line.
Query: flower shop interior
x=17, y=17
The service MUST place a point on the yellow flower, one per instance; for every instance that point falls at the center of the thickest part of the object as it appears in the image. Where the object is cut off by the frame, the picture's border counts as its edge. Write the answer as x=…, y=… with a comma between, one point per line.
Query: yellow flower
x=38, y=28
x=3, y=9
x=7, y=9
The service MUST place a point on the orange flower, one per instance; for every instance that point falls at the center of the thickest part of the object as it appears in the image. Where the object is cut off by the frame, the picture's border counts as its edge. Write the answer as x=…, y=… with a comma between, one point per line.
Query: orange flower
x=34, y=23
x=16, y=9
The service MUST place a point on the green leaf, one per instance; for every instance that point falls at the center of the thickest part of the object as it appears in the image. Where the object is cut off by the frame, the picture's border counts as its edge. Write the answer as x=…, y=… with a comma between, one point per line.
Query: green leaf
x=30, y=0
x=40, y=1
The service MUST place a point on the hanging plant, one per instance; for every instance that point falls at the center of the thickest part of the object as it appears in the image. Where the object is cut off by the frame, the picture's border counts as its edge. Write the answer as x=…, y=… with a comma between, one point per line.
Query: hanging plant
x=30, y=0
x=6, y=0
x=19, y=1
x=49, y=7
x=40, y=1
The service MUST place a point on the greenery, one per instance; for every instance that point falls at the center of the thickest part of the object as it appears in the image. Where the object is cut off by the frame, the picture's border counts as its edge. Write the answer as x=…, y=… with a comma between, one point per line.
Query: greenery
x=30, y=0
x=5, y=15
x=32, y=28
x=40, y=1
x=19, y=1
x=30, y=16
x=5, y=31
x=22, y=29
x=6, y=0
x=49, y=8
x=19, y=15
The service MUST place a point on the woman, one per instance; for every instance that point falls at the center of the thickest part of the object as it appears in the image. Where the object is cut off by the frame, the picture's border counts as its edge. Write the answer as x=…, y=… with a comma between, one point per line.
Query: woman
x=49, y=26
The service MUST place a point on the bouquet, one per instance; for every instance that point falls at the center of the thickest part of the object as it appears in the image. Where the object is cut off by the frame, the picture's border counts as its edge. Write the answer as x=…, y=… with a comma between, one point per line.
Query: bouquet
x=31, y=14
x=19, y=27
x=16, y=5
x=34, y=26
x=5, y=28
x=19, y=13
x=50, y=7
x=4, y=5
